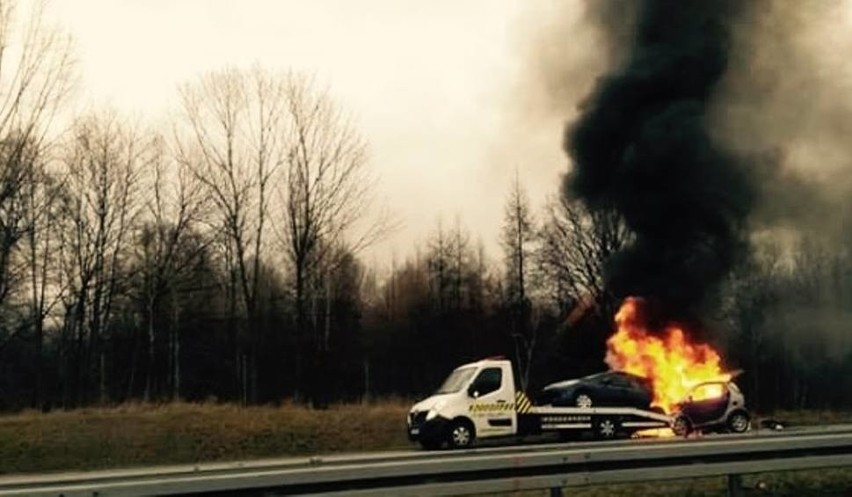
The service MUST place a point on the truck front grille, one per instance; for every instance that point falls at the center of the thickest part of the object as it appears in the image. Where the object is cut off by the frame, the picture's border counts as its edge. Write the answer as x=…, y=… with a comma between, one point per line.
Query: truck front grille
x=417, y=418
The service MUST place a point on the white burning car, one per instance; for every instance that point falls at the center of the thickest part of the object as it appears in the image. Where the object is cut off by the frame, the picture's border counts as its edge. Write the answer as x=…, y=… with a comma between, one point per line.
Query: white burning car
x=713, y=406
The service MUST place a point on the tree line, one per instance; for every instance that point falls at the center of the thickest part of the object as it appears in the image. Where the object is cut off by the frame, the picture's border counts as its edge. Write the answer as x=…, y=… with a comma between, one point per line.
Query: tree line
x=219, y=257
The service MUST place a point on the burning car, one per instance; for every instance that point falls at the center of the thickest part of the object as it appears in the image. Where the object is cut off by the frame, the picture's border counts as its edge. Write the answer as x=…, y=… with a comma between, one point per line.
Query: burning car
x=611, y=388
x=712, y=406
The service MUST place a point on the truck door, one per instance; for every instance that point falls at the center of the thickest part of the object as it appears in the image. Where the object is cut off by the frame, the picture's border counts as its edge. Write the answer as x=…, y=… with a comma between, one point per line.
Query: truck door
x=492, y=406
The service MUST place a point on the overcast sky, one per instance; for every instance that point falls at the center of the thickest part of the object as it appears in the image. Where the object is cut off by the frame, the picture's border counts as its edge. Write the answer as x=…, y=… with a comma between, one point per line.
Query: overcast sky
x=437, y=87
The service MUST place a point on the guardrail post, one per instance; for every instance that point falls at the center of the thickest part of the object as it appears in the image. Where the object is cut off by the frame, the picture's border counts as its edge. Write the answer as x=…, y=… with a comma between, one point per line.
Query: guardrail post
x=735, y=486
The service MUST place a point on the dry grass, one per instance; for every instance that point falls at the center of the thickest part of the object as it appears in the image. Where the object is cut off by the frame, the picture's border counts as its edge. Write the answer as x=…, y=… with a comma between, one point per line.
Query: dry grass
x=138, y=434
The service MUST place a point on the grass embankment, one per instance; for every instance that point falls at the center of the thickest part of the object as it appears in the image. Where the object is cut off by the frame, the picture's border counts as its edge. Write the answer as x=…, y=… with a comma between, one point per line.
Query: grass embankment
x=139, y=435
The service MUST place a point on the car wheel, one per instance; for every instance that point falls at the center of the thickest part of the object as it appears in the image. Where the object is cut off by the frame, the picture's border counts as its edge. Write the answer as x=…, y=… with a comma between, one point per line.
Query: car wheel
x=606, y=428
x=738, y=422
x=681, y=426
x=583, y=399
x=460, y=434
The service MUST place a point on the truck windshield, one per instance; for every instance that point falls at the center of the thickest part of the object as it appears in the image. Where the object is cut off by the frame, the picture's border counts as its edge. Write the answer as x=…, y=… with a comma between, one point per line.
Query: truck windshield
x=456, y=380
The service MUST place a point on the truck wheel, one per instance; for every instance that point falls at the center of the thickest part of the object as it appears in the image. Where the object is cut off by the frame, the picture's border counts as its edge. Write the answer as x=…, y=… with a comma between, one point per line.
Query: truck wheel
x=738, y=422
x=681, y=426
x=460, y=434
x=606, y=428
x=583, y=399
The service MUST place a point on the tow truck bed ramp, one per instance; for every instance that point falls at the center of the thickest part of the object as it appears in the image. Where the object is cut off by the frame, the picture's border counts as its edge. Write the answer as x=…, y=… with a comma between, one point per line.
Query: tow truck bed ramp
x=548, y=418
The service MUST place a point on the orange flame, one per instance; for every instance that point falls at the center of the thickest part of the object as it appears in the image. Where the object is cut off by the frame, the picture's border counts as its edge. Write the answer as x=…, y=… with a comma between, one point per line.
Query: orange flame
x=668, y=359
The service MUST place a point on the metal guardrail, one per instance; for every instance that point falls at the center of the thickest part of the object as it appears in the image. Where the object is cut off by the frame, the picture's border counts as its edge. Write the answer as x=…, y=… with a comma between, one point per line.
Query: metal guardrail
x=464, y=472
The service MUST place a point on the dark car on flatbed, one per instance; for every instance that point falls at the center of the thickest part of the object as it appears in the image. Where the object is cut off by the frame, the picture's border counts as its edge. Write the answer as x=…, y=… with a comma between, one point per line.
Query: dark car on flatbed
x=610, y=388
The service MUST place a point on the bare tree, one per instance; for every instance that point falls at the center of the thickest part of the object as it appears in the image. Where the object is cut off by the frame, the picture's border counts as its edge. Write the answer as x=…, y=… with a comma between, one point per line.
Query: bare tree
x=234, y=145
x=35, y=75
x=789, y=315
x=446, y=259
x=752, y=290
x=103, y=165
x=575, y=245
x=17, y=162
x=44, y=193
x=248, y=132
x=518, y=238
x=326, y=192
x=170, y=213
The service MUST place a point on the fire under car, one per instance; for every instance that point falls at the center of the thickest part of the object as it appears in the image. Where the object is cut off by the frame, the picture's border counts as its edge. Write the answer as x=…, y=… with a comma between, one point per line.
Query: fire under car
x=713, y=406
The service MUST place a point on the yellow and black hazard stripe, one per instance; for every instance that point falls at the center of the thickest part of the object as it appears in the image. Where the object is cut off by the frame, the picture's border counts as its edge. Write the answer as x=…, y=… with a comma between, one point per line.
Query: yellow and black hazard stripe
x=522, y=402
x=491, y=407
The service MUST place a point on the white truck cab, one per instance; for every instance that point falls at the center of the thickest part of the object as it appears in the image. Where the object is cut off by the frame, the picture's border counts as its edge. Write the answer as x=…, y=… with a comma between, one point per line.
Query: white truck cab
x=476, y=400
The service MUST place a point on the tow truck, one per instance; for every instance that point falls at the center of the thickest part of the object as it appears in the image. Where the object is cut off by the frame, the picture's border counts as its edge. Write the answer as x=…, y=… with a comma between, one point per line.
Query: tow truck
x=479, y=400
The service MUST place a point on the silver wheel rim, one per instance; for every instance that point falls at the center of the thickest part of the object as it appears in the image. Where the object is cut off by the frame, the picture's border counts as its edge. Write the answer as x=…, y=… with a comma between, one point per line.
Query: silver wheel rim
x=607, y=428
x=739, y=423
x=461, y=436
x=583, y=400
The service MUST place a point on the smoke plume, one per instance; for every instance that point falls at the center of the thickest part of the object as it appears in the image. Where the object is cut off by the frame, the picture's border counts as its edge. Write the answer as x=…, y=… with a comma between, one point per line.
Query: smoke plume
x=642, y=146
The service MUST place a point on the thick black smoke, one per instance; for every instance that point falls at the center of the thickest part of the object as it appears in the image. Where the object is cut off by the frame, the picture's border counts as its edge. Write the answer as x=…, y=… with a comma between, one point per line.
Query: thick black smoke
x=642, y=147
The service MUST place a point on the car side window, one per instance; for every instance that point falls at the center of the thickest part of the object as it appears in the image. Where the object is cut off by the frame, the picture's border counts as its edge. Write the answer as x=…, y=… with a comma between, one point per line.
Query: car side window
x=638, y=384
x=489, y=380
x=619, y=381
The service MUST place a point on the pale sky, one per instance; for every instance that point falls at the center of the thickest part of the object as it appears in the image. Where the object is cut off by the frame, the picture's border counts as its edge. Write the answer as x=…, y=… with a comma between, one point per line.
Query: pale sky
x=434, y=86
